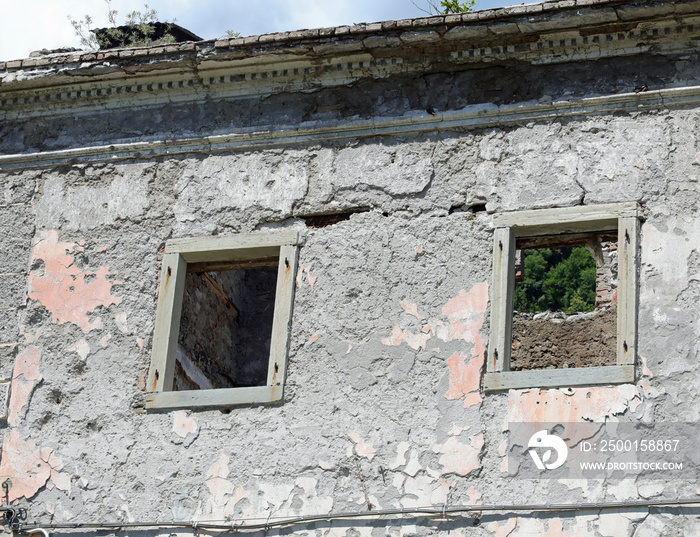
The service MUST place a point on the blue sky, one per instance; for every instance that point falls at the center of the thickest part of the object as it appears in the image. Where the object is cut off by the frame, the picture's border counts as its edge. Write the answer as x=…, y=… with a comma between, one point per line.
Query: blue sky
x=29, y=25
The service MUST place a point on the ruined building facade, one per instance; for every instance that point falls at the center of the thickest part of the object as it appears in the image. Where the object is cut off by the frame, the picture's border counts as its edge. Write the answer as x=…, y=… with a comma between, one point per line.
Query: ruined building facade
x=254, y=279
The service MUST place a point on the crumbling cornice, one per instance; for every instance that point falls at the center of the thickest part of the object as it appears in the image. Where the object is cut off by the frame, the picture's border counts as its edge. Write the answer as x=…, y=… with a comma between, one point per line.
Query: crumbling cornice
x=549, y=32
x=473, y=117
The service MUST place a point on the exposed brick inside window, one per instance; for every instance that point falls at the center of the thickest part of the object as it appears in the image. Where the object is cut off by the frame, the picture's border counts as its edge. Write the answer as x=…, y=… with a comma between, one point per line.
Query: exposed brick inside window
x=225, y=329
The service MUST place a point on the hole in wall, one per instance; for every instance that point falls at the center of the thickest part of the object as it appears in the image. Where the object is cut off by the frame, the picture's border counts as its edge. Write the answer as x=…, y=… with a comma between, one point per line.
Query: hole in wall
x=225, y=327
x=324, y=220
x=565, y=302
x=478, y=208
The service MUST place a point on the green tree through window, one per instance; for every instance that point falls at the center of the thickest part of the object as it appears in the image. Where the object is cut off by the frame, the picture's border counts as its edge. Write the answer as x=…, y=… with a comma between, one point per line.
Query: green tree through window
x=557, y=279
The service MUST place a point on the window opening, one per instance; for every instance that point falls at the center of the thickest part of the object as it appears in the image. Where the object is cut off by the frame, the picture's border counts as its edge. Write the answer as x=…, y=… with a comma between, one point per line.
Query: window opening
x=225, y=329
x=565, y=302
x=520, y=357
x=222, y=323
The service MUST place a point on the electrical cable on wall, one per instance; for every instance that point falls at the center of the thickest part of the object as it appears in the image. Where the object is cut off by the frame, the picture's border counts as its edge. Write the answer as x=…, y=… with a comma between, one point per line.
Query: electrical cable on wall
x=427, y=512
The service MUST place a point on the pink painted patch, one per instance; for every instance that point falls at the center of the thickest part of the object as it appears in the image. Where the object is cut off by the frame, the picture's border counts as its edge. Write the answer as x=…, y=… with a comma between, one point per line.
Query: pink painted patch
x=362, y=449
x=505, y=530
x=418, y=250
x=22, y=461
x=102, y=249
x=62, y=288
x=218, y=484
x=139, y=342
x=458, y=458
x=312, y=279
x=313, y=339
x=466, y=313
x=465, y=317
x=182, y=424
x=474, y=496
x=644, y=385
x=465, y=304
x=465, y=377
x=27, y=364
x=584, y=404
x=220, y=468
x=142, y=380
x=554, y=528
x=398, y=336
x=105, y=340
x=411, y=309
x=300, y=276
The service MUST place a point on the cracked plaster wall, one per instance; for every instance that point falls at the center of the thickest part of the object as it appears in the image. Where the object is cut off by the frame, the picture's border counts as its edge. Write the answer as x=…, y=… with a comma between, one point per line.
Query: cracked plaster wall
x=390, y=320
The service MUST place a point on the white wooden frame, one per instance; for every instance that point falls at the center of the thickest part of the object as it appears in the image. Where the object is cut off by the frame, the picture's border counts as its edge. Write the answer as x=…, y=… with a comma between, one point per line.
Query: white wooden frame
x=623, y=217
x=232, y=248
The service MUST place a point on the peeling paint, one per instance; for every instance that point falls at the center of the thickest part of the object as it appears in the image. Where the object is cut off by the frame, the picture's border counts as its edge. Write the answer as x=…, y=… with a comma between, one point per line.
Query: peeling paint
x=29, y=338
x=458, y=458
x=411, y=309
x=474, y=496
x=82, y=348
x=223, y=495
x=413, y=466
x=182, y=424
x=424, y=490
x=398, y=336
x=62, y=288
x=400, y=460
x=309, y=278
x=29, y=467
x=464, y=318
x=584, y=404
x=362, y=449
x=25, y=378
x=465, y=377
x=504, y=530
x=120, y=321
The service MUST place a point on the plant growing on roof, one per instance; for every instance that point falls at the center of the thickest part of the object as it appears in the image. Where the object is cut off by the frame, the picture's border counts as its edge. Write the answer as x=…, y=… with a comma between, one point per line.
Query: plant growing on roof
x=139, y=28
x=447, y=7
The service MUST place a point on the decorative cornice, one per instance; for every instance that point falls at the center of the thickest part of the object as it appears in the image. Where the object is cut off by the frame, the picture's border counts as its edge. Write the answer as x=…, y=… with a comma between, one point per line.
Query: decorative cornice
x=473, y=117
x=551, y=32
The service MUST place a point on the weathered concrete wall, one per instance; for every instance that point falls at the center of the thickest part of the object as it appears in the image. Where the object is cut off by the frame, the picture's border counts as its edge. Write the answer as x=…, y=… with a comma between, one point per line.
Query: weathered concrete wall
x=383, y=403
x=387, y=343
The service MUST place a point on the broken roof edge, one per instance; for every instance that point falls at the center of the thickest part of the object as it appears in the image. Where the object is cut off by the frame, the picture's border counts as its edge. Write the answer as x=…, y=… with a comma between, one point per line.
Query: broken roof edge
x=524, y=18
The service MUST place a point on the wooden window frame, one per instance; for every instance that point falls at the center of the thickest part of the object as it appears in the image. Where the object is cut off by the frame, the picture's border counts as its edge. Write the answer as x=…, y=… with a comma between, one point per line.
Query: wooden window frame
x=508, y=227
x=220, y=251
